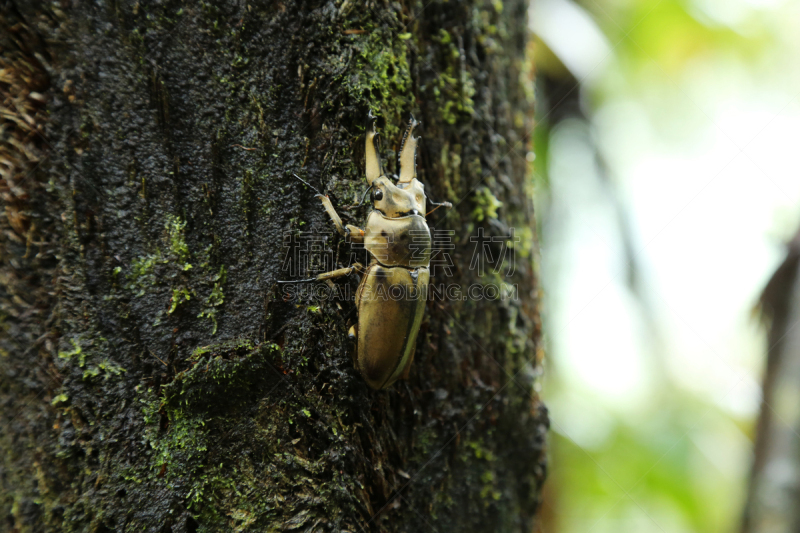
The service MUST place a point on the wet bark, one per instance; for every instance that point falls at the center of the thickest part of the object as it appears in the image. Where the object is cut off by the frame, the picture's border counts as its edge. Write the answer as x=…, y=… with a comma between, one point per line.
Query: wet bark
x=153, y=376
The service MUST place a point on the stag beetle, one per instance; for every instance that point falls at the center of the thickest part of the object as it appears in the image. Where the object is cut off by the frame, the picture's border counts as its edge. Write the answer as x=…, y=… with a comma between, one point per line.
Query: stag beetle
x=393, y=290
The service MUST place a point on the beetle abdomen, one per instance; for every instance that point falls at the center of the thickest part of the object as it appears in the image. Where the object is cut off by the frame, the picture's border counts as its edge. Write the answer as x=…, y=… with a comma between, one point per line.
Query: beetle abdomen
x=391, y=302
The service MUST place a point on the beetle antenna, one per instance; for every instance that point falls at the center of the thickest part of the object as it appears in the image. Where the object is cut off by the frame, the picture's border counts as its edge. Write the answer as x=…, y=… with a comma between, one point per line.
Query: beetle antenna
x=363, y=197
x=298, y=280
x=307, y=183
x=448, y=205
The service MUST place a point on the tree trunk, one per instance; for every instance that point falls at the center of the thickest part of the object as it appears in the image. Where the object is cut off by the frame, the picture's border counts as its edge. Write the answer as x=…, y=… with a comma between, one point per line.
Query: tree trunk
x=772, y=495
x=154, y=377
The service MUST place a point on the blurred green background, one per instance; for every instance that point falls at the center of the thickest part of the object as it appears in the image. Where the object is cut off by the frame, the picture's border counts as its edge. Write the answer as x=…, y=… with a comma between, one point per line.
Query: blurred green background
x=666, y=184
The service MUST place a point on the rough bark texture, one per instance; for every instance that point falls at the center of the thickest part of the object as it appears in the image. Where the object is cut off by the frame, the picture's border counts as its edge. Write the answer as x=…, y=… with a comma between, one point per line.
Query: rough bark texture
x=153, y=379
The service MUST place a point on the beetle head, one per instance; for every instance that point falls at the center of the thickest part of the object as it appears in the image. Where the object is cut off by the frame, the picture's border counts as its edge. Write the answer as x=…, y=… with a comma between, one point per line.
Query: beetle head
x=405, y=198
x=394, y=201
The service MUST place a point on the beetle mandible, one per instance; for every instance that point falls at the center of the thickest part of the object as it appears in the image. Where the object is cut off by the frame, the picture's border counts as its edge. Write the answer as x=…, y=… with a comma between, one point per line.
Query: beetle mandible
x=391, y=296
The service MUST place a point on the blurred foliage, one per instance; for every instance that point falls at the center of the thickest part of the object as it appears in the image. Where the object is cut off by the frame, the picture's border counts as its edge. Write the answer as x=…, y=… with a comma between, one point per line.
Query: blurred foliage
x=644, y=475
x=664, y=466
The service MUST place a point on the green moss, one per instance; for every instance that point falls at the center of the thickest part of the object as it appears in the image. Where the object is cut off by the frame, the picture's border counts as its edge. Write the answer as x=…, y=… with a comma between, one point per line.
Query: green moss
x=455, y=96
x=489, y=488
x=105, y=368
x=59, y=399
x=142, y=273
x=477, y=451
x=76, y=351
x=90, y=355
x=201, y=406
x=526, y=243
x=486, y=204
x=382, y=77
x=236, y=345
x=177, y=242
x=179, y=295
x=239, y=450
x=480, y=451
x=216, y=298
x=454, y=87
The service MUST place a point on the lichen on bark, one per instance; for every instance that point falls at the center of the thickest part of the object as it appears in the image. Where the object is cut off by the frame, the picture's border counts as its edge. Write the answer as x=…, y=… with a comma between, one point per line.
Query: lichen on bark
x=155, y=379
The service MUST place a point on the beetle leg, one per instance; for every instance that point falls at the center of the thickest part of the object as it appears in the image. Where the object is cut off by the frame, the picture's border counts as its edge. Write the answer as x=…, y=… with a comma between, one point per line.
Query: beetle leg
x=326, y=203
x=355, y=234
x=408, y=154
x=339, y=272
x=373, y=160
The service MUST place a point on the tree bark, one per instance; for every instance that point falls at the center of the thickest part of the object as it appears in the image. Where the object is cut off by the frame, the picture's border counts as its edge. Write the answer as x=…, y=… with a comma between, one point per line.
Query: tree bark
x=153, y=377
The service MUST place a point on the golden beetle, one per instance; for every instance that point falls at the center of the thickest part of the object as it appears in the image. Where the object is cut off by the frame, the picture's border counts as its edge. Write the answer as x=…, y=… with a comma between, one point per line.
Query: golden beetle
x=391, y=296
